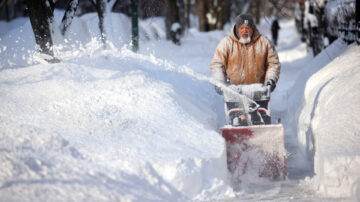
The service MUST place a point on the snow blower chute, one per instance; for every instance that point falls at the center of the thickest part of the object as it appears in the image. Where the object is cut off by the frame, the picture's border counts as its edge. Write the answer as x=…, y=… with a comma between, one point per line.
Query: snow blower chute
x=252, y=142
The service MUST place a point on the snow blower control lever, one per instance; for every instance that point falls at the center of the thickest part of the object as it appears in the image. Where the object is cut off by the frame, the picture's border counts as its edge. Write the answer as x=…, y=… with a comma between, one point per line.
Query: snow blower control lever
x=247, y=105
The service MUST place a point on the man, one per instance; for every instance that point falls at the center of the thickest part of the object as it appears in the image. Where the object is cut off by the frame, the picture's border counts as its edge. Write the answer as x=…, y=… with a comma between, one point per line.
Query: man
x=245, y=57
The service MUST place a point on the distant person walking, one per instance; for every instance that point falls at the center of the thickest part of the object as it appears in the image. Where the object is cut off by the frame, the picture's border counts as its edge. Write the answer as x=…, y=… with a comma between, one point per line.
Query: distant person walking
x=275, y=31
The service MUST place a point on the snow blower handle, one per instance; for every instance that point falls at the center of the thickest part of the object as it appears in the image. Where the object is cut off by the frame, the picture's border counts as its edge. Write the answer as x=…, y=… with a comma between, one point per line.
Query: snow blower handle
x=268, y=91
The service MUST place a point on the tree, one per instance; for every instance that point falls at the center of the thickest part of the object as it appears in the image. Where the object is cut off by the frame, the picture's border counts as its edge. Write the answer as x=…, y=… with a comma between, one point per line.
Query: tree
x=103, y=9
x=100, y=9
x=357, y=11
x=41, y=18
x=41, y=15
x=212, y=14
x=7, y=9
x=172, y=21
x=256, y=12
x=187, y=13
x=238, y=7
x=135, y=27
x=150, y=8
x=68, y=16
x=202, y=10
x=281, y=8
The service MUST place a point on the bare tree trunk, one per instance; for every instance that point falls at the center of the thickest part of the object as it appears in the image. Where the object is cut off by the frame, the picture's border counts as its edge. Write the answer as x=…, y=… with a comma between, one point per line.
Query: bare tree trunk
x=68, y=16
x=173, y=25
x=221, y=9
x=256, y=10
x=211, y=18
x=134, y=23
x=187, y=13
x=227, y=12
x=100, y=9
x=182, y=14
x=41, y=18
x=201, y=8
x=212, y=14
x=103, y=9
x=357, y=11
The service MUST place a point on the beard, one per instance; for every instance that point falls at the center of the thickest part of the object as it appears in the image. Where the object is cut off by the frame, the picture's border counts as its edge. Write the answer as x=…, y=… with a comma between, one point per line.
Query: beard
x=245, y=40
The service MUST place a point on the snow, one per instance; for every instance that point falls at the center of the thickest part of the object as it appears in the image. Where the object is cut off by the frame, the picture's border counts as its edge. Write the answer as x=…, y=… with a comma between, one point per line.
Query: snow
x=113, y=125
x=329, y=101
x=310, y=18
x=175, y=27
x=259, y=156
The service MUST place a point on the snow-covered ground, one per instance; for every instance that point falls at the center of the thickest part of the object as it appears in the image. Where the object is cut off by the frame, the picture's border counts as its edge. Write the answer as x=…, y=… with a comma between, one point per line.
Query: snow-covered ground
x=113, y=125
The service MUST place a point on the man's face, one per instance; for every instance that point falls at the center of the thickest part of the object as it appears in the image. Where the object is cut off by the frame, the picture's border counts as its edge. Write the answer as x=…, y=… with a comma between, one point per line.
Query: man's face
x=245, y=31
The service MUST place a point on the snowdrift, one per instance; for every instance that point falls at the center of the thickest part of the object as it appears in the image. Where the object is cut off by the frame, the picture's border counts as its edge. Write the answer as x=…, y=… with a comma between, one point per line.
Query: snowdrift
x=328, y=128
x=107, y=125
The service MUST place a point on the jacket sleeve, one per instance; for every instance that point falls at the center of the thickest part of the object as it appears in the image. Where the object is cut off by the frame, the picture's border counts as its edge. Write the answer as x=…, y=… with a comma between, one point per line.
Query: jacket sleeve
x=273, y=64
x=219, y=61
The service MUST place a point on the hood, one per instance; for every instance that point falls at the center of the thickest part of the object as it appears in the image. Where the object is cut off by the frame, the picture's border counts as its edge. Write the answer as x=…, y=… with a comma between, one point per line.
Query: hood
x=254, y=37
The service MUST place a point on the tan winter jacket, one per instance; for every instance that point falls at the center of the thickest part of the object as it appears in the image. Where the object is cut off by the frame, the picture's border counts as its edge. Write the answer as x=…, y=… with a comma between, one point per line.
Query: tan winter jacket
x=255, y=63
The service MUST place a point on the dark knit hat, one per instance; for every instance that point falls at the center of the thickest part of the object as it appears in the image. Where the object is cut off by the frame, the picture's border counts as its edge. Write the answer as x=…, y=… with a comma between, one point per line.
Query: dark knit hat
x=244, y=19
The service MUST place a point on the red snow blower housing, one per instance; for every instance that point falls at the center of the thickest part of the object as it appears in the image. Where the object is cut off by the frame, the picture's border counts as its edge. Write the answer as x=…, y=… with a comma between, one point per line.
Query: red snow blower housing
x=253, y=143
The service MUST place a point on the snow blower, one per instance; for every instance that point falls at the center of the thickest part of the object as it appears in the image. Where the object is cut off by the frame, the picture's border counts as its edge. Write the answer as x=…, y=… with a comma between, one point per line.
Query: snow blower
x=253, y=143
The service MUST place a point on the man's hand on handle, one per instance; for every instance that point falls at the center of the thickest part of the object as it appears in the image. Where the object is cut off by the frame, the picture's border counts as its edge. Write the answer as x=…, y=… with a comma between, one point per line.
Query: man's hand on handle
x=218, y=90
x=272, y=84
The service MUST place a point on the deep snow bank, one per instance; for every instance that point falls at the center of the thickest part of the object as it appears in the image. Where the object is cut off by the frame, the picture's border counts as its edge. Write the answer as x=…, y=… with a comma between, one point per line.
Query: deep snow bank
x=122, y=118
x=105, y=125
x=328, y=123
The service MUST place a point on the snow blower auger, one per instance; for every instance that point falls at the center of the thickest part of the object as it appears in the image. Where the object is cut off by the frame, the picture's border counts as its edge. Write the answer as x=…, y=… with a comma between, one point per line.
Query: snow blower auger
x=253, y=144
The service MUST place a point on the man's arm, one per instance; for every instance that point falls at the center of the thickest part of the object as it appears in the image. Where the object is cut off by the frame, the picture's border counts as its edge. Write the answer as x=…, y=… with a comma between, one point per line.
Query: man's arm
x=273, y=64
x=219, y=60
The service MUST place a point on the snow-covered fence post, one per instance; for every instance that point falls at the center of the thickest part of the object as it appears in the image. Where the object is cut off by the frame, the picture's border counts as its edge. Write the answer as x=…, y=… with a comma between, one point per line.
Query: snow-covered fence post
x=134, y=25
